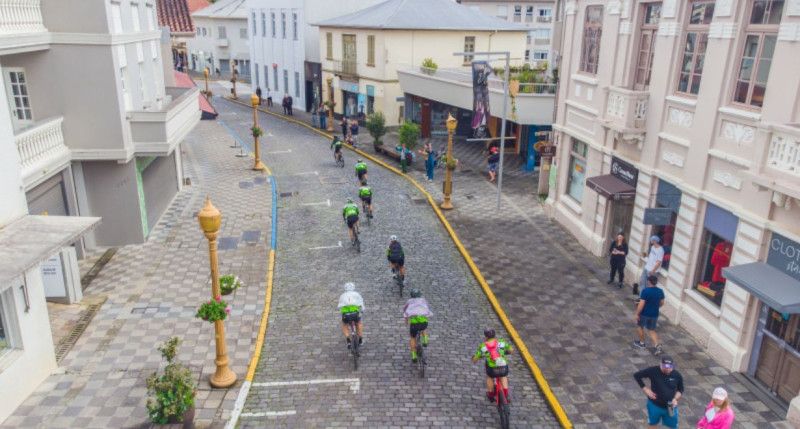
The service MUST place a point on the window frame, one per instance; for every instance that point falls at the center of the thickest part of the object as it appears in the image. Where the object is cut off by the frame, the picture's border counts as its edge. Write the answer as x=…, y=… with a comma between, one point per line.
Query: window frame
x=762, y=31
x=274, y=26
x=297, y=85
x=469, y=58
x=371, y=50
x=584, y=66
x=641, y=82
x=222, y=32
x=275, y=79
x=583, y=156
x=283, y=25
x=263, y=24
x=329, y=46
x=699, y=30
x=9, y=320
x=294, y=26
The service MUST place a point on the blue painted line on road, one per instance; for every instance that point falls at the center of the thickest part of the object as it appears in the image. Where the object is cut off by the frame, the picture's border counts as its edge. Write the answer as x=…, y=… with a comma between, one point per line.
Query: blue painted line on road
x=274, y=186
x=235, y=135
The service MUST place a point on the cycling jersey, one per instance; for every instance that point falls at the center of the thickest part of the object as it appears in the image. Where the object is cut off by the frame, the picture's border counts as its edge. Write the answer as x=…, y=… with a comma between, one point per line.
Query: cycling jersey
x=336, y=145
x=395, y=252
x=350, y=210
x=365, y=191
x=350, y=302
x=417, y=310
x=361, y=167
x=494, y=352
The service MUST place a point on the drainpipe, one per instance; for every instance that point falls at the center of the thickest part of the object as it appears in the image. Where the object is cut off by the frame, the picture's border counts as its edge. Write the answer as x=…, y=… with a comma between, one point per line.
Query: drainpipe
x=490, y=40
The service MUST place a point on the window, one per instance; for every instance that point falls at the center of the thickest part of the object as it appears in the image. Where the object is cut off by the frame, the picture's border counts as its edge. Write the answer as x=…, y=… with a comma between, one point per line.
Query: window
x=502, y=11
x=243, y=33
x=255, y=25
x=294, y=25
x=529, y=14
x=285, y=81
x=272, y=16
x=667, y=197
x=540, y=55
x=545, y=15
x=151, y=18
x=647, y=42
x=716, y=246
x=469, y=46
x=263, y=24
x=283, y=25
x=694, y=47
x=371, y=51
x=759, y=45
x=139, y=52
x=297, y=84
x=266, y=76
x=517, y=13
x=154, y=47
x=592, y=32
x=20, y=101
x=527, y=54
x=257, y=81
x=329, y=46
x=136, y=17
x=222, y=33
x=126, y=94
x=275, y=78
x=116, y=18
x=576, y=177
x=142, y=87
x=8, y=333
x=205, y=32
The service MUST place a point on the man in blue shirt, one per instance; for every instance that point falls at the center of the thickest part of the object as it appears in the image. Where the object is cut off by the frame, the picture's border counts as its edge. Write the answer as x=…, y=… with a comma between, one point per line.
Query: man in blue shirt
x=650, y=301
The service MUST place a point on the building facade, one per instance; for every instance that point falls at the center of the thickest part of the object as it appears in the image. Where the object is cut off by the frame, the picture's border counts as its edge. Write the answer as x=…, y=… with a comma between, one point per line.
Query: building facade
x=221, y=40
x=679, y=119
x=363, y=50
x=539, y=16
x=177, y=15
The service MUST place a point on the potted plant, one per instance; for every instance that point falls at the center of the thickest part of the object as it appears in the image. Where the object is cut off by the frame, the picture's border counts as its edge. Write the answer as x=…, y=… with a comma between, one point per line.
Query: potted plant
x=213, y=310
x=257, y=132
x=409, y=135
x=229, y=283
x=449, y=163
x=429, y=66
x=171, y=393
x=376, y=125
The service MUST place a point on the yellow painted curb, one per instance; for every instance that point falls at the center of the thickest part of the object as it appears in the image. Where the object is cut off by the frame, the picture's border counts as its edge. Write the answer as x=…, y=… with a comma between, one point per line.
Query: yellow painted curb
x=262, y=329
x=544, y=386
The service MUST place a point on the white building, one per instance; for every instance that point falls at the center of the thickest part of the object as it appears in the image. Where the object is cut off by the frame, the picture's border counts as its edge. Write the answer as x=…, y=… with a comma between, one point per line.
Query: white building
x=221, y=41
x=285, y=45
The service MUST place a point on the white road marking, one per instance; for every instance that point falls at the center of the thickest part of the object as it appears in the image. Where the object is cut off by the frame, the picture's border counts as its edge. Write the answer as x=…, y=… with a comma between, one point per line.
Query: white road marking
x=326, y=247
x=270, y=414
x=321, y=203
x=279, y=151
x=355, y=383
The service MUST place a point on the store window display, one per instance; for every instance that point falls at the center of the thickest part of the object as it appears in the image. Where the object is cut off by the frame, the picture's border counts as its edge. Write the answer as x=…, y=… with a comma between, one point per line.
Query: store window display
x=716, y=247
x=668, y=197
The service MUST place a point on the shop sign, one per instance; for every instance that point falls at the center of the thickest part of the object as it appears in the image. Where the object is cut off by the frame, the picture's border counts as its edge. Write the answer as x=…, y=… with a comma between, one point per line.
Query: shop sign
x=547, y=151
x=658, y=216
x=784, y=254
x=624, y=171
x=348, y=86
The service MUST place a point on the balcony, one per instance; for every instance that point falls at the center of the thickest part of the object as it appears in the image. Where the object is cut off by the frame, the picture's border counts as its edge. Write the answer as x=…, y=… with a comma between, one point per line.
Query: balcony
x=222, y=43
x=780, y=170
x=348, y=68
x=626, y=112
x=544, y=19
x=21, y=27
x=41, y=150
x=784, y=153
x=160, y=130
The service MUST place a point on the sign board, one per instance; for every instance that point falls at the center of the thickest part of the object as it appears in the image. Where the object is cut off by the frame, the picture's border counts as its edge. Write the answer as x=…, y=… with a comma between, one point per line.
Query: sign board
x=53, y=277
x=624, y=171
x=784, y=254
x=658, y=216
x=348, y=86
x=548, y=151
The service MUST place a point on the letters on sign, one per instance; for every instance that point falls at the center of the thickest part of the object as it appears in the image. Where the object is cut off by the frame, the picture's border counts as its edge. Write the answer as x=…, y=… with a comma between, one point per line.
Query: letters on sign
x=784, y=254
x=624, y=171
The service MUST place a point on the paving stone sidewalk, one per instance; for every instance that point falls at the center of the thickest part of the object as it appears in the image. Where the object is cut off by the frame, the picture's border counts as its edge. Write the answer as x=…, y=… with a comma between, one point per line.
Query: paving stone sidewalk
x=153, y=291
x=578, y=328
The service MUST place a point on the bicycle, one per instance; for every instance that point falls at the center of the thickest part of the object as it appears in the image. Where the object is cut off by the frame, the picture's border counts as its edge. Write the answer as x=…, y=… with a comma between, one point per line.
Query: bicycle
x=367, y=211
x=399, y=280
x=503, y=407
x=354, y=346
x=356, y=241
x=339, y=157
x=421, y=362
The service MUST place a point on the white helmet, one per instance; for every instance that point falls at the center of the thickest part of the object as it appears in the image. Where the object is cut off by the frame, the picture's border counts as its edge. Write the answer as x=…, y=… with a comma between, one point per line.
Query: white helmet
x=349, y=287
x=393, y=238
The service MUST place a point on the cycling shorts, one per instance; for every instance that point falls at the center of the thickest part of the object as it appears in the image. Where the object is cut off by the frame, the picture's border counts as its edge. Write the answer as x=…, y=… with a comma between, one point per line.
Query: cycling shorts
x=351, y=317
x=367, y=200
x=360, y=174
x=351, y=220
x=400, y=262
x=417, y=327
x=496, y=372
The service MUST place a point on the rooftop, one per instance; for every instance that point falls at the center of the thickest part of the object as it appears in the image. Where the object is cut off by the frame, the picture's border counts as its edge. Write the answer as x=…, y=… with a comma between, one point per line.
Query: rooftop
x=444, y=15
x=175, y=14
x=224, y=9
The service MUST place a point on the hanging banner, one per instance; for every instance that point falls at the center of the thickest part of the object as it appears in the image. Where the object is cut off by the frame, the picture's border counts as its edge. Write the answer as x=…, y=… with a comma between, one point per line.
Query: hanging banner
x=480, y=98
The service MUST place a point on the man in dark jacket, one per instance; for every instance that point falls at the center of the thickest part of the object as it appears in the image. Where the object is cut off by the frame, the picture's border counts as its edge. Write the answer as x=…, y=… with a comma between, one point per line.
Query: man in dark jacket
x=666, y=388
x=289, y=103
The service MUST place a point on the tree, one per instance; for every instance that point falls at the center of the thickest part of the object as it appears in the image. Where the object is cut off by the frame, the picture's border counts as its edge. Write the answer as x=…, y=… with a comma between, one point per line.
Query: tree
x=409, y=134
x=376, y=124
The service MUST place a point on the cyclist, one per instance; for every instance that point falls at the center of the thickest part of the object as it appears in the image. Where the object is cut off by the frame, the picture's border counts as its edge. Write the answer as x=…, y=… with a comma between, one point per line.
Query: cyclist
x=336, y=145
x=416, y=313
x=365, y=193
x=494, y=352
x=396, y=257
x=361, y=170
x=350, y=216
x=351, y=304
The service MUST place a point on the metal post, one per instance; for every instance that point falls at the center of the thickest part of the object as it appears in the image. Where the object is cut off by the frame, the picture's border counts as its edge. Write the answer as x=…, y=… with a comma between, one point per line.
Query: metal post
x=503, y=130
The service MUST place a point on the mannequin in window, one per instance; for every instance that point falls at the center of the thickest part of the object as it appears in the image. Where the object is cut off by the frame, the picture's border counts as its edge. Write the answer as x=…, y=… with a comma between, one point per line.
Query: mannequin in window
x=720, y=259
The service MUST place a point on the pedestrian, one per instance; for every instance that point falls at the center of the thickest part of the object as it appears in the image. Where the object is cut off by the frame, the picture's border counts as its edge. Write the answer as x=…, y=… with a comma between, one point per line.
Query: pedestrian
x=314, y=117
x=617, y=253
x=258, y=94
x=218, y=72
x=430, y=161
x=345, y=128
x=289, y=102
x=323, y=117
x=285, y=104
x=666, y=388
x=269, y=98
x=354, y=131
x=493, y=161
x=652, y=264
x=647, y=310
x=719, y=414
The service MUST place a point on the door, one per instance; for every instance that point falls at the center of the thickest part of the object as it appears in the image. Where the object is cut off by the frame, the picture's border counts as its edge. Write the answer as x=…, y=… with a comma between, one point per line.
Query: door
x=647, y=40
x=349, y=54
x=18, y=98
x=779, y=358
x=310, y=98
x=426, y=119
x=621, y=217
x=48, y=198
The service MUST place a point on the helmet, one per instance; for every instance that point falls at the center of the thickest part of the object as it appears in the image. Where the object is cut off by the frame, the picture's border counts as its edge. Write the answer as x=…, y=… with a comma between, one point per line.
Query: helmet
x=488, y=333
x=393, y=238
x=349, y=201
x=416, y=293
x=364, y=182
x=349, y=287
x=360, y=160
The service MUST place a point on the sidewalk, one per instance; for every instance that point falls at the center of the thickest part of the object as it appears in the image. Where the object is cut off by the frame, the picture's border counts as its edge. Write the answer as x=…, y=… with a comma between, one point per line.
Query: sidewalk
x=153, y=291
x=578, y=328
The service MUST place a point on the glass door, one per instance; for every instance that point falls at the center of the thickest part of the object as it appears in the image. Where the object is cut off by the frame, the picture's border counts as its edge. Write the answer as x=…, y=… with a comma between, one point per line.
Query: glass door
x=19, y=100
x=647, y=42
x=779, y=358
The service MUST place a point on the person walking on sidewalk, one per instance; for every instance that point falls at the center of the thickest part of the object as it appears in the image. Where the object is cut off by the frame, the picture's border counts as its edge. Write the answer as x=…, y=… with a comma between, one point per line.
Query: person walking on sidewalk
x=285, y=104
x=314, y=117
x=323, y=117
x=354, y=131
x=666, y=388
x=719, y=414
x=345, y=128
x=269, y=98
x=289, y=103
x=617, y=253
x=652, y=263
x=493, y=161
x=647, y=310
x=258, y=94
x=430, y=160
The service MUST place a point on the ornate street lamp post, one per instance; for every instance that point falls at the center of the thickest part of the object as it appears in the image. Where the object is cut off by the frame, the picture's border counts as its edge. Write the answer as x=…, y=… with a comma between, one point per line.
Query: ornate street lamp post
x=329, y=128
x=210, y=220
x=234, y=75
x=449, y=165
x=257, y=165
x=205, y=75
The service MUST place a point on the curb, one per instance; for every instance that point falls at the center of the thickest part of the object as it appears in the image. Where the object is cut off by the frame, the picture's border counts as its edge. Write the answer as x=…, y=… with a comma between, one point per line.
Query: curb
x=544, y=386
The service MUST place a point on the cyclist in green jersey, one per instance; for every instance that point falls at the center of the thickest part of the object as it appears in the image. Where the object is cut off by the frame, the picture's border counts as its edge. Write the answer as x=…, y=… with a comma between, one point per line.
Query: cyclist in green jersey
x=361, y=170
x=351, y=304
x=350, y=216
x=416, y=313
x=336, y=145
x=365, y=193
x=494, y=352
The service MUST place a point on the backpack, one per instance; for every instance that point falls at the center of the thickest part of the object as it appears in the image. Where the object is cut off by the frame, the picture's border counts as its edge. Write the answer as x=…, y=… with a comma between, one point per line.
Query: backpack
x=395, y=251
x=409, y=157
x=491, y=347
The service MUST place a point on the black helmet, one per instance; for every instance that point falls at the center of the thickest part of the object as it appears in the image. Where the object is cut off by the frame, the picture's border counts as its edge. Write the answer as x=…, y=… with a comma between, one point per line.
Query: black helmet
x=364, y=182
x=488, y=333
x=416, y=293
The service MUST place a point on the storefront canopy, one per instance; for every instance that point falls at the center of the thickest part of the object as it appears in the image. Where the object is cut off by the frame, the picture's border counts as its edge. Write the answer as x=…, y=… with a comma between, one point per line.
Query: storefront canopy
x=610, y=186
x=769, y=284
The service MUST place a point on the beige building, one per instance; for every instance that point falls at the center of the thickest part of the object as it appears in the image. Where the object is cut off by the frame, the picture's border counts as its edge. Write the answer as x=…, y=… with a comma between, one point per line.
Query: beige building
x=680, y=119
x=362, y=51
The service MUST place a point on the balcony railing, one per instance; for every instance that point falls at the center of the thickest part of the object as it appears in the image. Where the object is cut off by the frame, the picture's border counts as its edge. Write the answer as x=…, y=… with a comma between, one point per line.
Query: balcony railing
x=41, y=149
x=345, y=67
x=21, y=17
x=157, y=131
x=626, y=109
x=784, y=153
x=544, y=19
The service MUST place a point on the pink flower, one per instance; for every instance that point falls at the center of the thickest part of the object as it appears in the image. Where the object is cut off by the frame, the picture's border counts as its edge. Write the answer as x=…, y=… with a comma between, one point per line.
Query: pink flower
x=218, y=298
x=228, y=309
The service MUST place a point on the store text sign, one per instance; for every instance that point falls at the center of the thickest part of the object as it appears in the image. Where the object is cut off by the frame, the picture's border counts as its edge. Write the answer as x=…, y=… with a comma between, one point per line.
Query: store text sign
x=784, y=254
x=624, y=171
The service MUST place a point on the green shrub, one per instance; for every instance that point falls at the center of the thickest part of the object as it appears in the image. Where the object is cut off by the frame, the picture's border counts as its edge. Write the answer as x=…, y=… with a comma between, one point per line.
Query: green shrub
x=171, y=393
x=376, y=125
x=429, y=64
x=409, y=134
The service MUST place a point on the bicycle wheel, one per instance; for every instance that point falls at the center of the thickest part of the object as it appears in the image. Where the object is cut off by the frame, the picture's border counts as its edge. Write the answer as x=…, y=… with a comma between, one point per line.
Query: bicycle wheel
x=354, y=346
x=420, y=357
x=503, y=409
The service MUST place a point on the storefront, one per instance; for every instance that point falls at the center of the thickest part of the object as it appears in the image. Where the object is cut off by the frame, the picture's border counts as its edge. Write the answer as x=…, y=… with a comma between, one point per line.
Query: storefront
x=619, y=187
x=350, y=98
x=432, y=117
x=313, y=85
x=775, y=361
x=714, y=254
x=663, y=217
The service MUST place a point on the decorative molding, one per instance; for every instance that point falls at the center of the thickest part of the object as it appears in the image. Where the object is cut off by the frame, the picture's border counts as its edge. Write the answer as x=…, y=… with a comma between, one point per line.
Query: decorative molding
x=688, y=102
x=727, y=179
x=722, y=30
x=793, y=8
x=668, y=9
x=614, y=7
x=630, y=138
x=668, y=29
x=585, y=79
x=103, y=38
x=723, y=8
x=681, y=118
x=673, y=158
x=789, y=32
x=626, y=9
x=782, y=200
x=674, y=139
x=625, y=27
x=733, y=159
x=578, y=89
x=738, y=133
x=571, y=7
x=740, y=113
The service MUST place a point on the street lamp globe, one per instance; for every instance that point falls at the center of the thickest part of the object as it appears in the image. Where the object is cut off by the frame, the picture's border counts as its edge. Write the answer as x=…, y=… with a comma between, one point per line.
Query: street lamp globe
x=254, y=100
x=451, y=123
x=209, y=217
x=206, y=72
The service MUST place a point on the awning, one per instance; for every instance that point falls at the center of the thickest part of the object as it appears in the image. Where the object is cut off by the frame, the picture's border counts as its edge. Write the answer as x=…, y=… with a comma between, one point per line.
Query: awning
x=609, y=186
x=769, y=284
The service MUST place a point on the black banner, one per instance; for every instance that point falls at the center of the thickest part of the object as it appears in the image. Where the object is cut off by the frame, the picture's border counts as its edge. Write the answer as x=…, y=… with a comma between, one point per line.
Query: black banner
x=624, y=171
x=481, y=70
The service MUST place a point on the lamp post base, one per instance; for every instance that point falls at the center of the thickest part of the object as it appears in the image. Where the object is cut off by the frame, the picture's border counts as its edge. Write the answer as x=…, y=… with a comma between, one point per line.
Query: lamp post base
x=446, y=204
x=223, y=378
x=259, y=166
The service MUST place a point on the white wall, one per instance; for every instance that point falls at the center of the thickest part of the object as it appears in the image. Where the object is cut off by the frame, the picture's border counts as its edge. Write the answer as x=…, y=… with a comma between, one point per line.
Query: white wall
x=237, y=48
x=11, y=191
